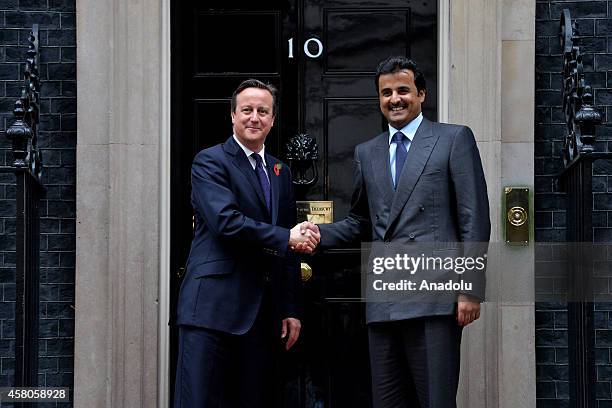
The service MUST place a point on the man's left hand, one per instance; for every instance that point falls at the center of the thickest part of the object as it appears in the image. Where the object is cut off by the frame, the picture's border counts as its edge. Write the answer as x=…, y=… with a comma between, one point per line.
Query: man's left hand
x=468, y=310
x=291, y=327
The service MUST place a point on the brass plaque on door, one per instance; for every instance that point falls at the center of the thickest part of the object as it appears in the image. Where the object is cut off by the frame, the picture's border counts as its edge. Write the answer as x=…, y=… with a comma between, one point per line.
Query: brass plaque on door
x=516, y=215
x=317, y=212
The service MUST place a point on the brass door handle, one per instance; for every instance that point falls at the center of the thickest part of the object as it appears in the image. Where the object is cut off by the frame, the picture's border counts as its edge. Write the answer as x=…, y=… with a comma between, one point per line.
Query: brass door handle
x=306, y=272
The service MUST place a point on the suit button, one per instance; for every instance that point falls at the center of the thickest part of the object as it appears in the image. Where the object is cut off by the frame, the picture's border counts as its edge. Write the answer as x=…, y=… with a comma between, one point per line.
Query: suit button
x=411, y=235
x=422, y=208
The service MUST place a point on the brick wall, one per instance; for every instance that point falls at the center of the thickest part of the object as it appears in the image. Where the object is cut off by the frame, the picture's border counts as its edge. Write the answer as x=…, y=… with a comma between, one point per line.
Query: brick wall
x=594, y=20
x=57, y=138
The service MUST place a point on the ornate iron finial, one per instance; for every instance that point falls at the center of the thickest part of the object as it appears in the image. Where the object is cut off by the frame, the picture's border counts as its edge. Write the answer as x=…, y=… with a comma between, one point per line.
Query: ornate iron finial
x=24, y=130
x=587, y=119
x=580, y=116
x=302, y=154
x=19, y=133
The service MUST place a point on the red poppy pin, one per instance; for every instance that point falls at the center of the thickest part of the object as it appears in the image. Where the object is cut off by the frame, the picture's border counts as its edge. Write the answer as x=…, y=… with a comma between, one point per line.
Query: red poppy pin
x=277, y=168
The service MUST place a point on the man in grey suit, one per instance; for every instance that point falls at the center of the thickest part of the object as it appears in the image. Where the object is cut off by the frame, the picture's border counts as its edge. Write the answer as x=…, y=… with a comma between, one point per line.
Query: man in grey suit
x=419, y=182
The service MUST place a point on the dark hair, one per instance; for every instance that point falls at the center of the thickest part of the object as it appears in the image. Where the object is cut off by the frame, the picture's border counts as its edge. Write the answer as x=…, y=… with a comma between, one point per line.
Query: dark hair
x=254, y=83
x=398, y=63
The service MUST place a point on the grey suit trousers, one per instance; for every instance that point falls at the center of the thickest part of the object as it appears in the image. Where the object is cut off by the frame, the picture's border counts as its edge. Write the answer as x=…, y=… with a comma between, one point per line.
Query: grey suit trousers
x=415, y=362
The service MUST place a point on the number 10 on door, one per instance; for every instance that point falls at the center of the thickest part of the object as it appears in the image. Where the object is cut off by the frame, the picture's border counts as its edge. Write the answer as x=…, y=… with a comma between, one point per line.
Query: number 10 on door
x=311, y=42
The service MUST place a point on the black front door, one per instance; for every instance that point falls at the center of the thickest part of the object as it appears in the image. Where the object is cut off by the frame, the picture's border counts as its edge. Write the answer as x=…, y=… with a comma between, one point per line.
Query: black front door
x=322, y=57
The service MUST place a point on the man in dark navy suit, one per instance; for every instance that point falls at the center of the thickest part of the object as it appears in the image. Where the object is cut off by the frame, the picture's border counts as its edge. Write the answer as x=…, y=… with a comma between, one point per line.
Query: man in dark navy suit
x=238, y=299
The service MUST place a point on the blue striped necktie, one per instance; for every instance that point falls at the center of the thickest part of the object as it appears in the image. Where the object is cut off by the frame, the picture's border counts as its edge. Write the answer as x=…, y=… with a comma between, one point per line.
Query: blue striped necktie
x=400, y=155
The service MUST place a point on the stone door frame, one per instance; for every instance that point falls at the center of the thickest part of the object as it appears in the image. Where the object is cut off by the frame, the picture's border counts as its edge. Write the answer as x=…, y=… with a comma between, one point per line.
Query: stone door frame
x=123, y=193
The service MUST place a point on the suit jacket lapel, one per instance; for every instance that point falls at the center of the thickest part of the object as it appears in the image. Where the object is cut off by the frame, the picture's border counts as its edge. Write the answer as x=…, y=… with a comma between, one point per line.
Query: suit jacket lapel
x=270, y=163
x=242, y=162
x=380, y=161
x=420, y=149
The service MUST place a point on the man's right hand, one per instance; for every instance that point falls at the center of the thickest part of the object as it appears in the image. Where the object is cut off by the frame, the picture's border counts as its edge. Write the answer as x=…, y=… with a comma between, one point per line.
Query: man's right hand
x=304, y=237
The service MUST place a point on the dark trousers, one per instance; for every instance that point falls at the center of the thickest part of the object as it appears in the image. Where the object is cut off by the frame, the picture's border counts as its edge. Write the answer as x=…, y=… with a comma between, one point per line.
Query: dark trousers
x=415, y=363
x=221, y=370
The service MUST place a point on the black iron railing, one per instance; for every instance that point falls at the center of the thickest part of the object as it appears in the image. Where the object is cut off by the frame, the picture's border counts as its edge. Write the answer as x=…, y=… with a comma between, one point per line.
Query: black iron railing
x=27, y=167
x=579, y=156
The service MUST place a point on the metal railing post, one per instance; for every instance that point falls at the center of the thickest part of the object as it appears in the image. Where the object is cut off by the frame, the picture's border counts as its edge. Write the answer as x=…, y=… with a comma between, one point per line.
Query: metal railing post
x=579, y=154
x=27, y=166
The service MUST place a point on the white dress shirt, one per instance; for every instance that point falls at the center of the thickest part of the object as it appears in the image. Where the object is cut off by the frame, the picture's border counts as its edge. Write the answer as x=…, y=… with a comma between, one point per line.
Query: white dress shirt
x=249, y=152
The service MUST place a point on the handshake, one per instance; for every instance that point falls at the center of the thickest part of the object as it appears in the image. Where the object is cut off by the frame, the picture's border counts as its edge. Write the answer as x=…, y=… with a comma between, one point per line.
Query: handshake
x=304, y=238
